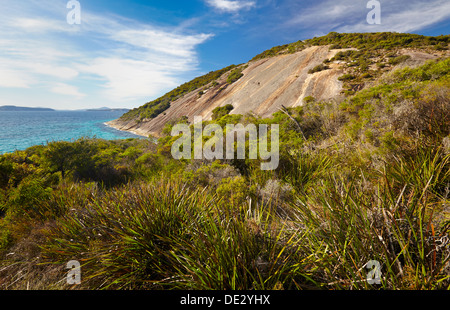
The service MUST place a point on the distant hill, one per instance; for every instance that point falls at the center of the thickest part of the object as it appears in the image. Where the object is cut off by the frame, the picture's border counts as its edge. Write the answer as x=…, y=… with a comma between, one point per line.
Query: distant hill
x=18, y=109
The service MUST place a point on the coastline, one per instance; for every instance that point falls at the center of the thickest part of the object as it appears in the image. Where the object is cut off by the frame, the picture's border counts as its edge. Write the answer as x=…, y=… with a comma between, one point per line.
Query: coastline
x=114, y=125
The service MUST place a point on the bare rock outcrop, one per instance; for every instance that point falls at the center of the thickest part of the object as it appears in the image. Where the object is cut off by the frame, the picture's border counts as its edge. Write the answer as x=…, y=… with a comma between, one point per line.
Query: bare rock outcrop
x=265, y=86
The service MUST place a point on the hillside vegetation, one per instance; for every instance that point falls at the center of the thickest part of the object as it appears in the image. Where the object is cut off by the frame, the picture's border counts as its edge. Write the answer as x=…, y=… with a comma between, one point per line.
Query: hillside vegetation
x=363, y=41
x=360, y=179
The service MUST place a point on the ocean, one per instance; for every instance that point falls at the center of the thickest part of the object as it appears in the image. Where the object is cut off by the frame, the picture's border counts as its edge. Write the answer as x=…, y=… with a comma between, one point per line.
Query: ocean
x=20, y=130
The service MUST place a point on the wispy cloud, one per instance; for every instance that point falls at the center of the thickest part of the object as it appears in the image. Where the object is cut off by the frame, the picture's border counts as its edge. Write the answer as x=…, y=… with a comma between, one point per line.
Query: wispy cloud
x=107, y=57
x=350, y=16
x=141, y=59
x=412, y=16
x=65, y=89
x=13, y=78
x=231, y=5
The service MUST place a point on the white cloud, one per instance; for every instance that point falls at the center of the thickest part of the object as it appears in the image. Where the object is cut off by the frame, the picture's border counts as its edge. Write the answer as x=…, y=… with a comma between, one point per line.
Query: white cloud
x=409, y=19
x=129, y=79
x=106, y=57
x=61, y=72
x=65, y=89
x=142, y=59
x=231, y=5
x=350, y=16
x=161, y=41
x=36, y=24
x=29, y=61
x=12, y=78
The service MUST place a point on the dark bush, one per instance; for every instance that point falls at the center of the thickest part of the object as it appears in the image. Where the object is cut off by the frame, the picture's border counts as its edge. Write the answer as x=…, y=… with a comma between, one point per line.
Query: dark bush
x=222, y=111
x=346, y=77
x=235, y=75
x=318, y=68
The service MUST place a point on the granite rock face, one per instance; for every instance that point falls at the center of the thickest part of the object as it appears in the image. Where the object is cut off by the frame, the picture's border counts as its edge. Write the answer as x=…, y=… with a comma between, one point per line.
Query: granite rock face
x=265, y=86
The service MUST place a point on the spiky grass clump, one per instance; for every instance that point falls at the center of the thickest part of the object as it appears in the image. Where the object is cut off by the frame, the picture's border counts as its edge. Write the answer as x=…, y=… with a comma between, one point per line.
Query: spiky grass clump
x=350, y=225
x=165, y=234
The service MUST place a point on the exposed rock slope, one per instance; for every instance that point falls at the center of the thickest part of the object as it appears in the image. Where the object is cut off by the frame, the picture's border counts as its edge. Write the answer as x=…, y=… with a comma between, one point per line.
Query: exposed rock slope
x=265, y=86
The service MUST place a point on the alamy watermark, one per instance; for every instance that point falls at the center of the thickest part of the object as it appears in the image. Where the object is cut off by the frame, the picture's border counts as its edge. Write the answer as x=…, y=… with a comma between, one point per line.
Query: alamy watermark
x=374, y=16
x=74, y=15
x=74, y=273
x=214, y=147
x=374, y=274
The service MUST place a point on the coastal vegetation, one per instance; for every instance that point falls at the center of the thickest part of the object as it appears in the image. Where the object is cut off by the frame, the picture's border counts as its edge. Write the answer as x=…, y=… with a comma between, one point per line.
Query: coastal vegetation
x=363, y=42
x=364, y=178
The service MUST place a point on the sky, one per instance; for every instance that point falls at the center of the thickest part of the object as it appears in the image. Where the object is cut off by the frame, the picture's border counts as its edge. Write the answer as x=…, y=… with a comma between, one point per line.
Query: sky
x=122, y=54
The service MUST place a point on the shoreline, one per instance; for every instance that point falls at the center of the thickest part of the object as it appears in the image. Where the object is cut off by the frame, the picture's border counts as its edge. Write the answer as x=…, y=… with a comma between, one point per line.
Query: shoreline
x=111, y=124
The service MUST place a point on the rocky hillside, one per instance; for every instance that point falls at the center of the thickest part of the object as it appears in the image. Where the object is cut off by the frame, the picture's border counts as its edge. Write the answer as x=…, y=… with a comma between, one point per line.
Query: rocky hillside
x=329, y=67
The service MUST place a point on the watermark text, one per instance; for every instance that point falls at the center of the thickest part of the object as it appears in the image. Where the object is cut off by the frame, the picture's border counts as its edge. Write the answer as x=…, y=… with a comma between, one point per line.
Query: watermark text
x=374, y=16
x=214, y=147
x=74, y=15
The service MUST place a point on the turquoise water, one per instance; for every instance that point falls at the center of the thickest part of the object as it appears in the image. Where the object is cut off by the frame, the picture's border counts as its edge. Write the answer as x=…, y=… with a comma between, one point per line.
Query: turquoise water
x=20, y=130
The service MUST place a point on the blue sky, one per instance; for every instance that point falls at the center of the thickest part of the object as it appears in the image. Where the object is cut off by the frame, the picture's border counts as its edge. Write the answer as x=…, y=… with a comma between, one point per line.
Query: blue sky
x=126, y=53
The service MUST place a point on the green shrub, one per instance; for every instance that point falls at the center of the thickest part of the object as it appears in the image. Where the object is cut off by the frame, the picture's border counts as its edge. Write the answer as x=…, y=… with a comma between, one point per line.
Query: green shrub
x=235, y=75
x=30, y=200
x=388, y=141
x=441, y=46
x=369, y=135
x=308, y=99
x=219, y=112
x=234, y=191
x=318, y=68
x=6, y=237
x=402, y=244
x=346, y=77
x=399, y=59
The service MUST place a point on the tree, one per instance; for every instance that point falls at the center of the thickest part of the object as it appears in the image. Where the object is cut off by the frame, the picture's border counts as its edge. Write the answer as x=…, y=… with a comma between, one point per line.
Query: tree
x=59, y=156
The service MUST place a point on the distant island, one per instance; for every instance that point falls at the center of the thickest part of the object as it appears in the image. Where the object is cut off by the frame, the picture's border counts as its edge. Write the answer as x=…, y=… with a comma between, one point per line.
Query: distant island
x=22, y=109
x=11, y=108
